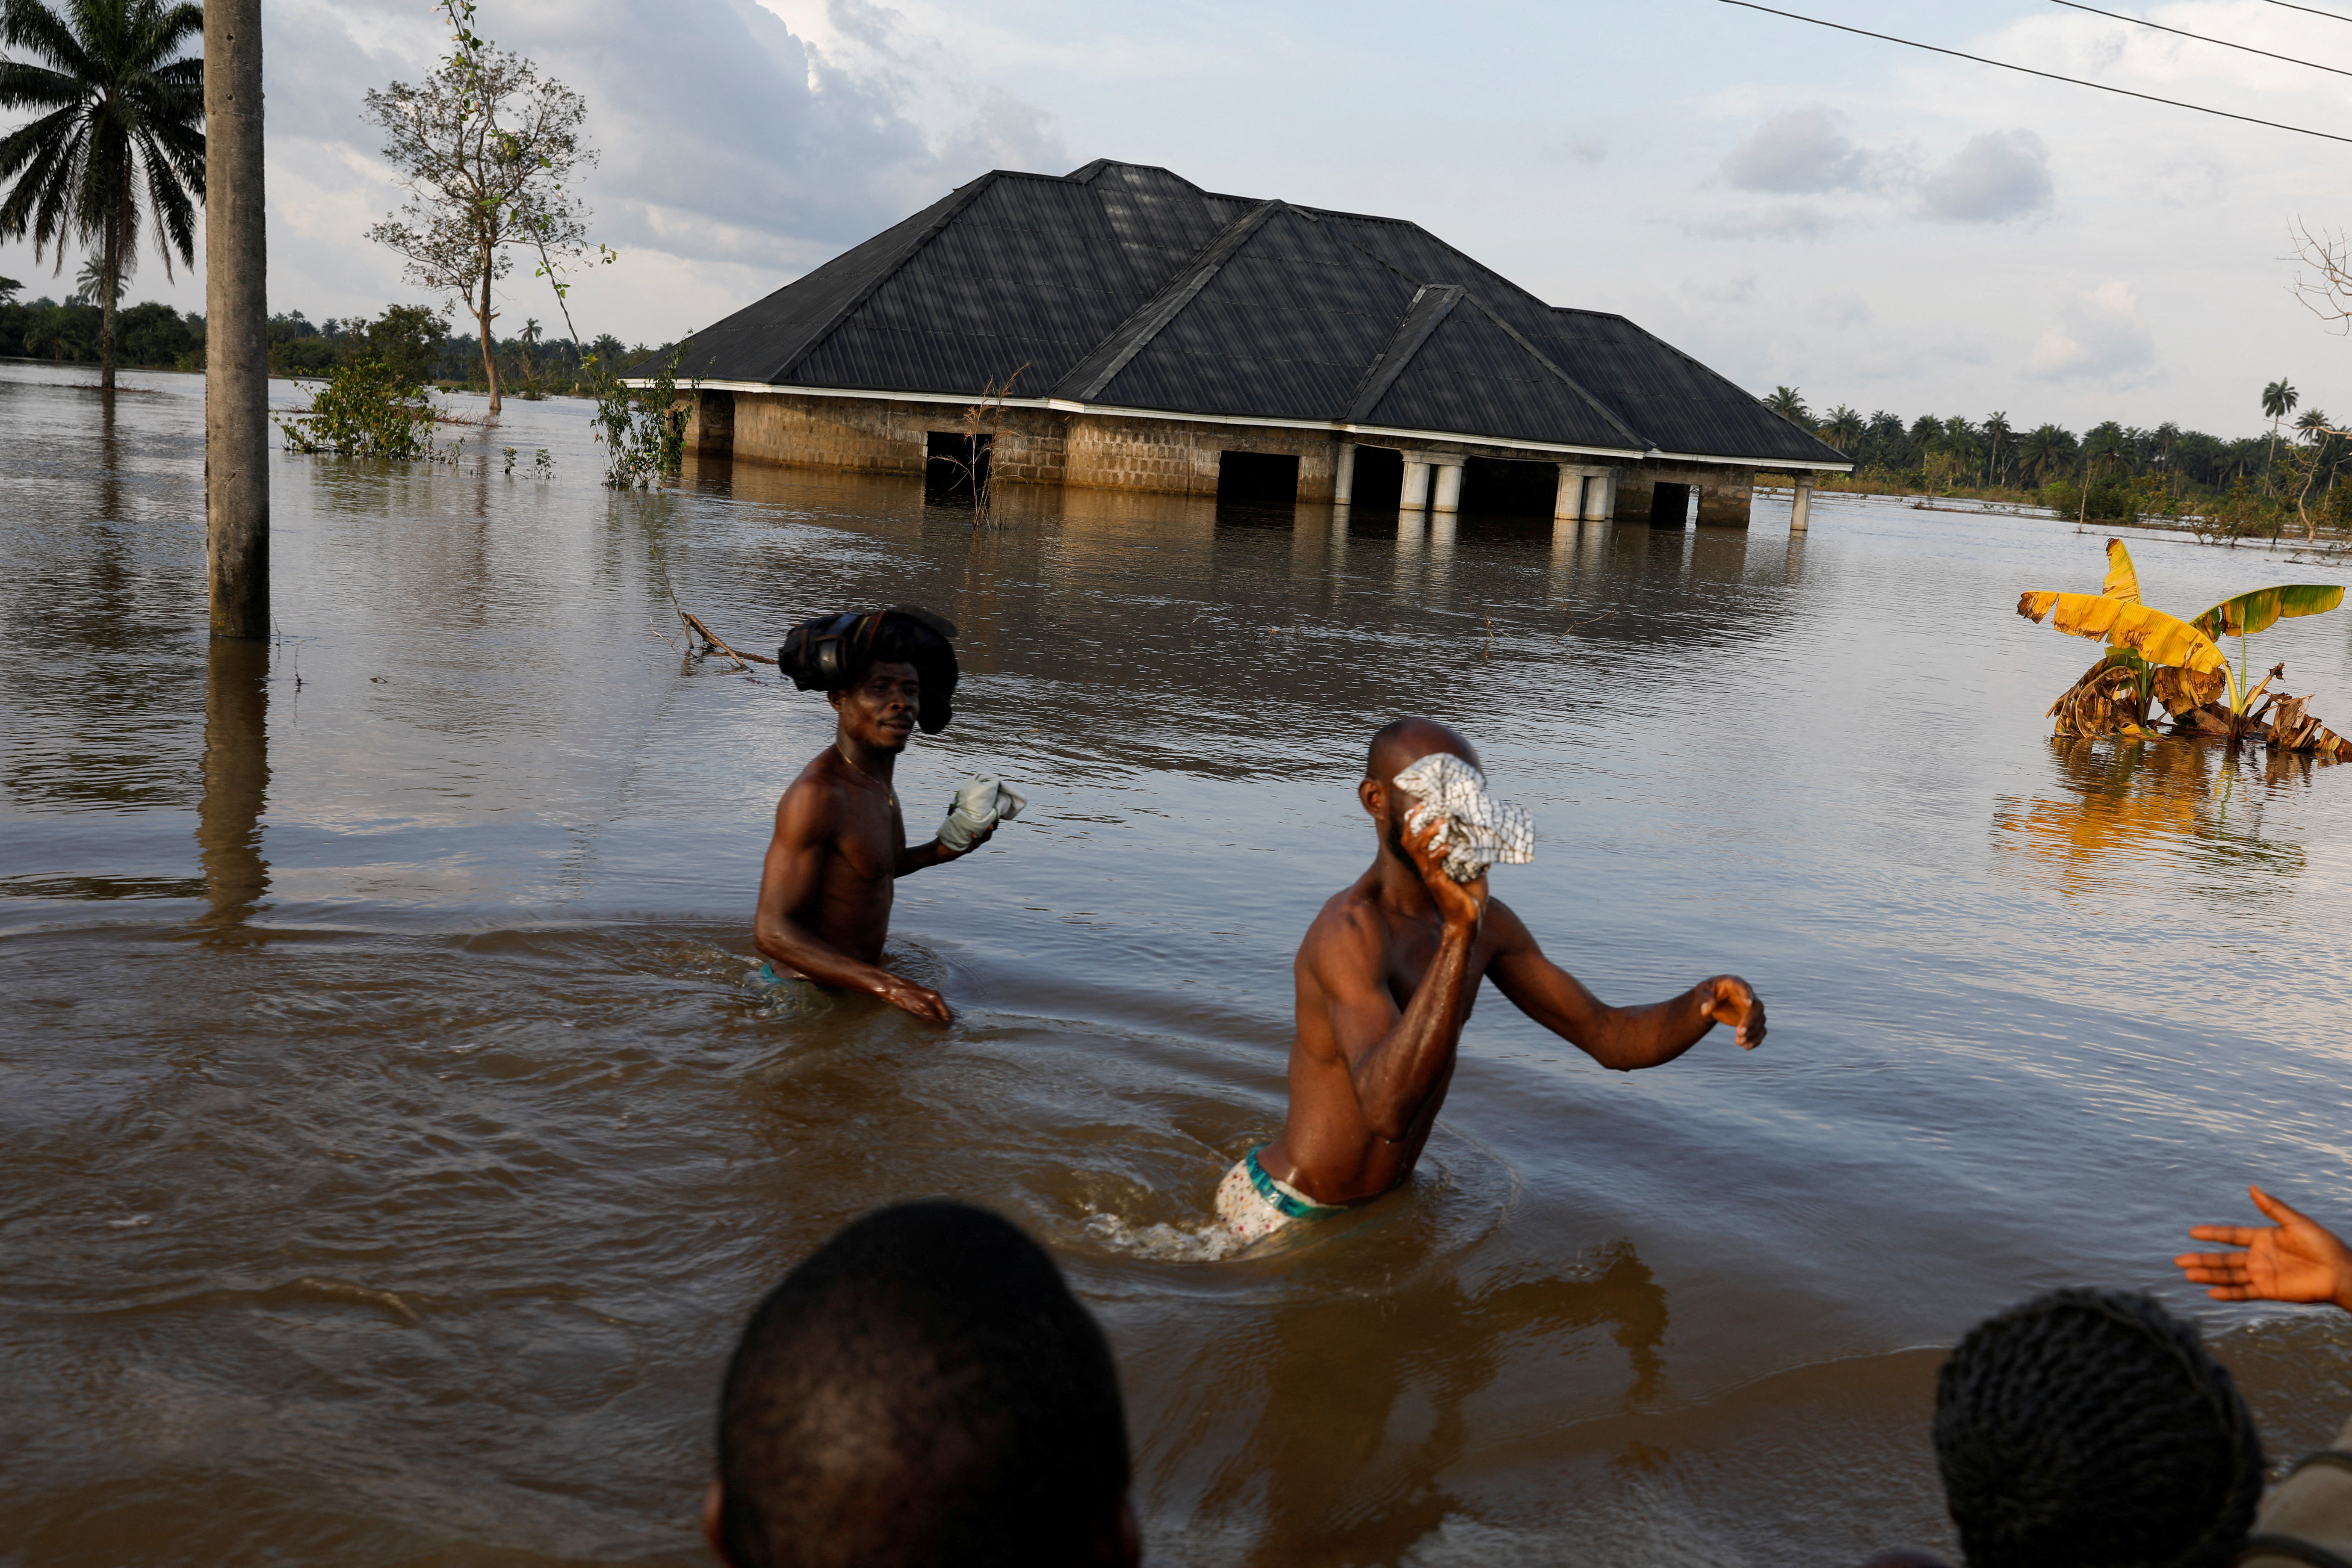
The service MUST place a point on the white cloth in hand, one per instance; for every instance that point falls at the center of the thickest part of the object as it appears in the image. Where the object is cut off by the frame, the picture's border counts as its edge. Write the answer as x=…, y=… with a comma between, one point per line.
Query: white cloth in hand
x=1475, y=829
x=984, y=801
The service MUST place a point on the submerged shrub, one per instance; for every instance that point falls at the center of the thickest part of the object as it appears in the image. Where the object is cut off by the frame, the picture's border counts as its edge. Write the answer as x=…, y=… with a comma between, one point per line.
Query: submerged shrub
x=643, y=430
x=366, y=410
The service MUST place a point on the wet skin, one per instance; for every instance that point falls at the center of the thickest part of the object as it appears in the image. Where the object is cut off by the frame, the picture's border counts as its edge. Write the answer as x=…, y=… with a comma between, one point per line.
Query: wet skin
x=1387, y=978
x=840, y=846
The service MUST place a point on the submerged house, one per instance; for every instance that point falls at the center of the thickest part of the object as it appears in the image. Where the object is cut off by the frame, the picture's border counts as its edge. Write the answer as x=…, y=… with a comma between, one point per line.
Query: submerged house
x=1130, y=331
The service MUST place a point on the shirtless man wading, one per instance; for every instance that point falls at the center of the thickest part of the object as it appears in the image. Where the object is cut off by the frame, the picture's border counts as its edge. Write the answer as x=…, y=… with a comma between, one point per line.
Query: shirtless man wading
x=1386, y=979
x=840, y=842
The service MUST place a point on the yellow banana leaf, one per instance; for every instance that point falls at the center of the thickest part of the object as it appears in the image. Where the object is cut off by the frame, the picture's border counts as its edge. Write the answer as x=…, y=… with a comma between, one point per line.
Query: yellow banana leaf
x=2156, y=637
x=2265, y=607
x=2123, y=581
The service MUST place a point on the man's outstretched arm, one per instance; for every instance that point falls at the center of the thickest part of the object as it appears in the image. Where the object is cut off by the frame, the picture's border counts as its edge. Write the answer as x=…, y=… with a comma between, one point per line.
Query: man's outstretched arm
x=788, y=881
x=1620, y=1037
x=2297, y=1259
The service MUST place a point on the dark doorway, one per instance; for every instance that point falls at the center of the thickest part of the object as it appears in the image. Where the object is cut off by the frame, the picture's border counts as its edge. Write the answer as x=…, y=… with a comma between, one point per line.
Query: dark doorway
x=1669, y=505
x=1507, y=488
x=715, y=423
x=1265, y=479
x=954, y=463
x=1380, y=476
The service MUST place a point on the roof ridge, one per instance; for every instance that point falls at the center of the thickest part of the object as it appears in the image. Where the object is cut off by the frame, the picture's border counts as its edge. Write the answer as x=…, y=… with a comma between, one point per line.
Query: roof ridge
x=1567, y=380
x=1429, y=308
x=961, y=198
x=1132, y=336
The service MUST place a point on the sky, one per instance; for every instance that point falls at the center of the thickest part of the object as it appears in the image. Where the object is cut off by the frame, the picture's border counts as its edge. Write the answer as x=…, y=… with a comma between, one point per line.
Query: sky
x=1872, y=225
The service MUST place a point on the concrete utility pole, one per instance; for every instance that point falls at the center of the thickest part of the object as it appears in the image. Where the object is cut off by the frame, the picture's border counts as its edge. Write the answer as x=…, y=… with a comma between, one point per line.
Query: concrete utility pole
x=237, y=314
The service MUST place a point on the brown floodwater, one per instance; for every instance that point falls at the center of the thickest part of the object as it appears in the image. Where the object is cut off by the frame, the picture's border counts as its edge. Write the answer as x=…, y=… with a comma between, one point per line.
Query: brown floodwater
x=391, y=1141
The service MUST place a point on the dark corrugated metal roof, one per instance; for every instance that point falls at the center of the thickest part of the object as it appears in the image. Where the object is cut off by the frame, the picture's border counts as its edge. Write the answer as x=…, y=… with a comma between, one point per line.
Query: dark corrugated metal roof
x=1126, y=285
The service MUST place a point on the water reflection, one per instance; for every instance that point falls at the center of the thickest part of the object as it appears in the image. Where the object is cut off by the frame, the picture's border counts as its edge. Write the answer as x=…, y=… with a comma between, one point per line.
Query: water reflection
x=1362, y=1418
x=2130, y=805
x=236, y=782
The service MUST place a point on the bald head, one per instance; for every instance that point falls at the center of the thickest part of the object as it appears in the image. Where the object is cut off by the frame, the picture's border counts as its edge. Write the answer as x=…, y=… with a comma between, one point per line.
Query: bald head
x=1398, y=746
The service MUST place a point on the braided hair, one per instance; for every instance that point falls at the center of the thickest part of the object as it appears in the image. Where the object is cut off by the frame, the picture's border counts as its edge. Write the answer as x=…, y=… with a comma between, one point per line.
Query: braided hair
x=2092, y=1429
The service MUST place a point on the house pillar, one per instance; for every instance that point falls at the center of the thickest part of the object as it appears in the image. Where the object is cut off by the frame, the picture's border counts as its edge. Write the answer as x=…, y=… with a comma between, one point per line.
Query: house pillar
x=1801, y=509
x=1343, y=475
x=1567, y=503
x=1449, y=485
x=1416, y=483
x=1600, y=497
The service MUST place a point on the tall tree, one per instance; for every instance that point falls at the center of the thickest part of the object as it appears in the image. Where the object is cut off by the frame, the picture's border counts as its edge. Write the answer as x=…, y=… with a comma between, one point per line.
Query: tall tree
x=1996, y=431
x=237, y=324
x=2279, y=399
x=115, y=135
x=2045, y=449
x=483, y=146
x=2106, y=447
x=1790, y=404
x=1842, y=429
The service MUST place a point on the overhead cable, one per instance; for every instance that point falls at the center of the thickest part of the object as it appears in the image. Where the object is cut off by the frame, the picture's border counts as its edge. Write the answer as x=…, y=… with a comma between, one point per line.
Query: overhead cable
x=2331, y=15
x=2176, y=32
x=2050, y=75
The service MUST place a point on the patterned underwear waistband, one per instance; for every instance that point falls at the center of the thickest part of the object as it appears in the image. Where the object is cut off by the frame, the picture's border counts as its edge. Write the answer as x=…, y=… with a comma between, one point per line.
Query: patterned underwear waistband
x=1291, y=1207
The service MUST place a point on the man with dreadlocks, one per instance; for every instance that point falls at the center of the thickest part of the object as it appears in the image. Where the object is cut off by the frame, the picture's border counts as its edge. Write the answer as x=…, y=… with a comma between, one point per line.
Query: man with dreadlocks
x=840, y=842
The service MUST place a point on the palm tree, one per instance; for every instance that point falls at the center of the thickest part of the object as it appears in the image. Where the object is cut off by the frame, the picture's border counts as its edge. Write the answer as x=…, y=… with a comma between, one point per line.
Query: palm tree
x=1790, y=404
x=2279, y=399
x=1961, y=442
x=1996, y=431
x=2045, y=448
x=2312, y=425
x=89, y=283
x=2107, y=444
x=116, y=128
x=1842, y=429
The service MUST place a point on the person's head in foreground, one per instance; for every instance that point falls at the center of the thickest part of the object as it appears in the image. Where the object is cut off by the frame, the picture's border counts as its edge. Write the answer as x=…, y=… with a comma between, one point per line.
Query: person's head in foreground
x=2089, y=1429
x=922, y=1391
x=884, y=671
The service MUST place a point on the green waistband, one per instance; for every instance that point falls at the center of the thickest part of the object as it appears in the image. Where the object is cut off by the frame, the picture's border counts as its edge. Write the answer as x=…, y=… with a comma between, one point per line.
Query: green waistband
x=1291, y=1208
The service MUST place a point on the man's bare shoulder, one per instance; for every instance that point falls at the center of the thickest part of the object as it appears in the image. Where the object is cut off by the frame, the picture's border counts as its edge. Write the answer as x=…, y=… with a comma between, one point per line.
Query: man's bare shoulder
x=811, y=804
x=1349, y=936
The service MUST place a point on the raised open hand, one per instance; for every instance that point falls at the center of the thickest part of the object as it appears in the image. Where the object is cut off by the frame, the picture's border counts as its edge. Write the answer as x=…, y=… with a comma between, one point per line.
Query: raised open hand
x=1458, y=903
x=1727, y=999
x=2297, y=1259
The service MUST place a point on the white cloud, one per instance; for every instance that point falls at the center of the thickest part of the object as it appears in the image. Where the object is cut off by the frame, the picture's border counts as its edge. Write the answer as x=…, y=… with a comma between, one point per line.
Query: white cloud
x=1734, y=288
x=2099, y=335
x=1801, y=152
x=1839, y=310
x=1999, y=176
x=1586, y=150
x=1788, y=220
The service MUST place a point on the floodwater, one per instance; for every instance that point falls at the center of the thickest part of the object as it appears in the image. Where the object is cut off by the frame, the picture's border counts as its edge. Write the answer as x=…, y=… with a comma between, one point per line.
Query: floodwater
x=391, y=1145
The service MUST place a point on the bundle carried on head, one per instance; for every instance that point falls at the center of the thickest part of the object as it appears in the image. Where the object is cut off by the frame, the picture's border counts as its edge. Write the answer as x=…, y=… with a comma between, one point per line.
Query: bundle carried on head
x=830, y=653
x=1474, y=829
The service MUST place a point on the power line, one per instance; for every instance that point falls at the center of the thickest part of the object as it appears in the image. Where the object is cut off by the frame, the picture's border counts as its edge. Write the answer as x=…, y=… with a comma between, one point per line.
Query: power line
x=2331, y=15
x=2176, y=32
x=2049, y=75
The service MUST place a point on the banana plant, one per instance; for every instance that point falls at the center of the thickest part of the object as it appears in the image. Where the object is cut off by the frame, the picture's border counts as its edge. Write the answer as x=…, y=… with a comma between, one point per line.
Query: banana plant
x=2161, y=657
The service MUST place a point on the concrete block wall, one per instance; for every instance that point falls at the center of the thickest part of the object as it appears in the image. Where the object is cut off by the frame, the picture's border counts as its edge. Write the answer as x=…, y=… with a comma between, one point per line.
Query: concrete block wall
x=1180, y=457
x=1102, y=451
x=872, y=435
x=1724, y=492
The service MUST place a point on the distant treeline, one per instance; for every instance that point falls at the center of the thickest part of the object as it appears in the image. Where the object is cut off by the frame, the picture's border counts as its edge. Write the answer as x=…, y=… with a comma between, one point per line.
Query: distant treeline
x=149, y=334
x=412, y=339
x=1932, y=452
